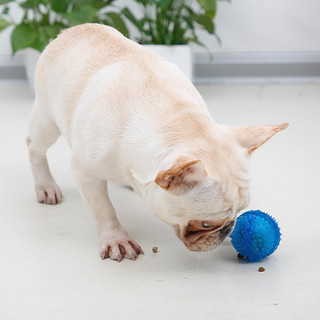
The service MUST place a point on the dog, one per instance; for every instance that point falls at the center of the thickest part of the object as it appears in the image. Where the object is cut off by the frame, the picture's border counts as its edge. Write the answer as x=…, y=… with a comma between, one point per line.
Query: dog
x=132, y=117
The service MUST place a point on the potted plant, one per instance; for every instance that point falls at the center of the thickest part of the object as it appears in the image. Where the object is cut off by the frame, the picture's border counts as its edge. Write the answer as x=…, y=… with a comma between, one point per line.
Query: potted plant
x=166, y=26
x=169, y=26
x=43, y=20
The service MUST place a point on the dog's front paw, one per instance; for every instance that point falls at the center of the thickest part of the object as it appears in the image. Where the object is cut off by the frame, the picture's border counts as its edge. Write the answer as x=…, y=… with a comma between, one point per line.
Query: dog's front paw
x=48, y=193
x=119, y=247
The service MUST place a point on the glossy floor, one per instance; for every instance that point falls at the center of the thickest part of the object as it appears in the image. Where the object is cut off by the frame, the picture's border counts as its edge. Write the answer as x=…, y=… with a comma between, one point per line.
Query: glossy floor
x=49, y=262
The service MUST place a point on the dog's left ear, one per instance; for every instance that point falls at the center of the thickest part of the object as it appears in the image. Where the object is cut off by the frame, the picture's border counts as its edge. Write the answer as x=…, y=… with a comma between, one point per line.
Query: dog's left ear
x=252, y=138
x=183, y=175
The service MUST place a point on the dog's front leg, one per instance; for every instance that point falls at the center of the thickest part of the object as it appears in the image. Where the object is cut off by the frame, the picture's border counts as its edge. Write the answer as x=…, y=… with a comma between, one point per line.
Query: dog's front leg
x=116, y=244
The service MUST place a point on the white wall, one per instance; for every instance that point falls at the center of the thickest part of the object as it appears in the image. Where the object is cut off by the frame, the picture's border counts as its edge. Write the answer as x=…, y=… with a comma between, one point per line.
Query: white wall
x=256, y=26
x=268, y=26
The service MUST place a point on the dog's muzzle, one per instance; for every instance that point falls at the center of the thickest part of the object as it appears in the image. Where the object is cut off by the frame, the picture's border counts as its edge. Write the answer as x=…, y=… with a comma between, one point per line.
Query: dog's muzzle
x=198, y=238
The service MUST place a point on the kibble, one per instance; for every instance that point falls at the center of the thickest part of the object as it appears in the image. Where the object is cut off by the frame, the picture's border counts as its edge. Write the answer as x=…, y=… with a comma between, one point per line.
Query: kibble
x=155, y=249
x=261, y=269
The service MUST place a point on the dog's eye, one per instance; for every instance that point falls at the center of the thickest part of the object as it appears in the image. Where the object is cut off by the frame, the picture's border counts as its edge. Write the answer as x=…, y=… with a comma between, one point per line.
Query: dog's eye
x=205, y=225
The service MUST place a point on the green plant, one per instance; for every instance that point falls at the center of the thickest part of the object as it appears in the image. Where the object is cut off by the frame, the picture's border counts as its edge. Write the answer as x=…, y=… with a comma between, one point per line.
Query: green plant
x=172, y=22
x=43, y=20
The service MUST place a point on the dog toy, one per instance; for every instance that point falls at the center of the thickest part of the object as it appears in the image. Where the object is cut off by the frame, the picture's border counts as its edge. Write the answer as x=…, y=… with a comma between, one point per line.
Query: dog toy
x=256, y=235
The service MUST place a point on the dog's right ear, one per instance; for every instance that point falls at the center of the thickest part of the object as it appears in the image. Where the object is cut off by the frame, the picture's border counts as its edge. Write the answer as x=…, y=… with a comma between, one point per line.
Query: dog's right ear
x=252, y=138
x=183, y=175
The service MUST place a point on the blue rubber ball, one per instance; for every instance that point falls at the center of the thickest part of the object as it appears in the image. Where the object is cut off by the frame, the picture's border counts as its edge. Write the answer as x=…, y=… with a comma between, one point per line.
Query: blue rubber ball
x=256, y=235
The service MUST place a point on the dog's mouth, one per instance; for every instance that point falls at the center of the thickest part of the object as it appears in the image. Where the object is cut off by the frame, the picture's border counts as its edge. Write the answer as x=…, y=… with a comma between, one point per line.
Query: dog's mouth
x=204, y=235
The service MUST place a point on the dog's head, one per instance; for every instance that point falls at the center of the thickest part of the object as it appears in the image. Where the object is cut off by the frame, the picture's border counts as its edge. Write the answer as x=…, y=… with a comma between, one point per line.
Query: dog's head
x=200, y=194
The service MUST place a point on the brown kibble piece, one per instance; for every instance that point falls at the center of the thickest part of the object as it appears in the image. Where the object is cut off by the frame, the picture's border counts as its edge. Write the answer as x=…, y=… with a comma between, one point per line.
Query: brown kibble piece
x=155, y=249
x=261, y=269
x=240, y=256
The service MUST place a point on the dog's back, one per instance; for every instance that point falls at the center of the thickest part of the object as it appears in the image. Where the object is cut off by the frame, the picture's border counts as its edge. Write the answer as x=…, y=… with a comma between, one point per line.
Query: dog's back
x=93, y=52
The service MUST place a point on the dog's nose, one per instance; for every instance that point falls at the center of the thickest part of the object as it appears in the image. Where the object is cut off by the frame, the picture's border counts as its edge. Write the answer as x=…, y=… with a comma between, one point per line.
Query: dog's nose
x=226, y=230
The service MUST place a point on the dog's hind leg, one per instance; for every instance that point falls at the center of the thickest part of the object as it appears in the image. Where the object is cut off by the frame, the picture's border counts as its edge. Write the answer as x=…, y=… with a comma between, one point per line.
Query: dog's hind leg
x=43, y=132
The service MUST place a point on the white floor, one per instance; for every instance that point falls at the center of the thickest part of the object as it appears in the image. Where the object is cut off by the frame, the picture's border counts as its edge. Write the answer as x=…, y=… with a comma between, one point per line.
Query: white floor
x=49, y=262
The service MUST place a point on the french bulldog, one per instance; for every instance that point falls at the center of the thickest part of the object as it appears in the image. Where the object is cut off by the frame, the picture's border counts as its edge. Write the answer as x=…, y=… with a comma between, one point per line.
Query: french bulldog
x=132, y=117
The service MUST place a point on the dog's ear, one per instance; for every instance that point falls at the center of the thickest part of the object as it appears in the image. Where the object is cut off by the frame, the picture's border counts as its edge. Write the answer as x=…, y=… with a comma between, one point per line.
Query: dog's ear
x=183, y=175
x=252, y=138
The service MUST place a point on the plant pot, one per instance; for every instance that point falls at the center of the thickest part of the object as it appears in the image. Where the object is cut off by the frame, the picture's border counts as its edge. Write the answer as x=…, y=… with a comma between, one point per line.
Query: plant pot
x=31, y=57
x=180, y=55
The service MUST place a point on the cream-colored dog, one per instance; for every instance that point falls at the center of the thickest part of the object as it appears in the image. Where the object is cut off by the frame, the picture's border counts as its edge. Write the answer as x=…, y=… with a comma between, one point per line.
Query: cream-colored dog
x=132, y=117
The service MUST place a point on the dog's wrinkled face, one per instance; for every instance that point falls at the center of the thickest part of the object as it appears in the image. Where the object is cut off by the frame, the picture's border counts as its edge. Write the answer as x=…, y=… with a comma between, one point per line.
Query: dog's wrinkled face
x=202, y=209
x=200, y=199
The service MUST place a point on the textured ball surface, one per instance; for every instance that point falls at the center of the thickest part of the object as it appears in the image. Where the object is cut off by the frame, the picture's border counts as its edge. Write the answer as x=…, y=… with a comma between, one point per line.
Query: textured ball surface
x=256, y=235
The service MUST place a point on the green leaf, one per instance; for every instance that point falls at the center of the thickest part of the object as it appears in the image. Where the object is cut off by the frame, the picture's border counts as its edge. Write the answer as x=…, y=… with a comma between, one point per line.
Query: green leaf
x=163, y=3
x=22, y=37
x=4, y=24
x=144, y=2
x=205, y=21
x=168, y=38
x=129, y=15
x=98, y=4
x=59, y=5
x=210, y=7
x=29, y=4
x=45, y=34
x=80, y=3
x=5, y=10
x=53, y=30
x=118, y=23
x=45, y=20
x=40, y=42
x=189, y=22
x=80, y=15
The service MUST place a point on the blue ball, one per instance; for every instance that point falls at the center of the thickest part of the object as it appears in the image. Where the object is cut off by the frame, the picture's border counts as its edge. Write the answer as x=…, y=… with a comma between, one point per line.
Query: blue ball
x=256, y=235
